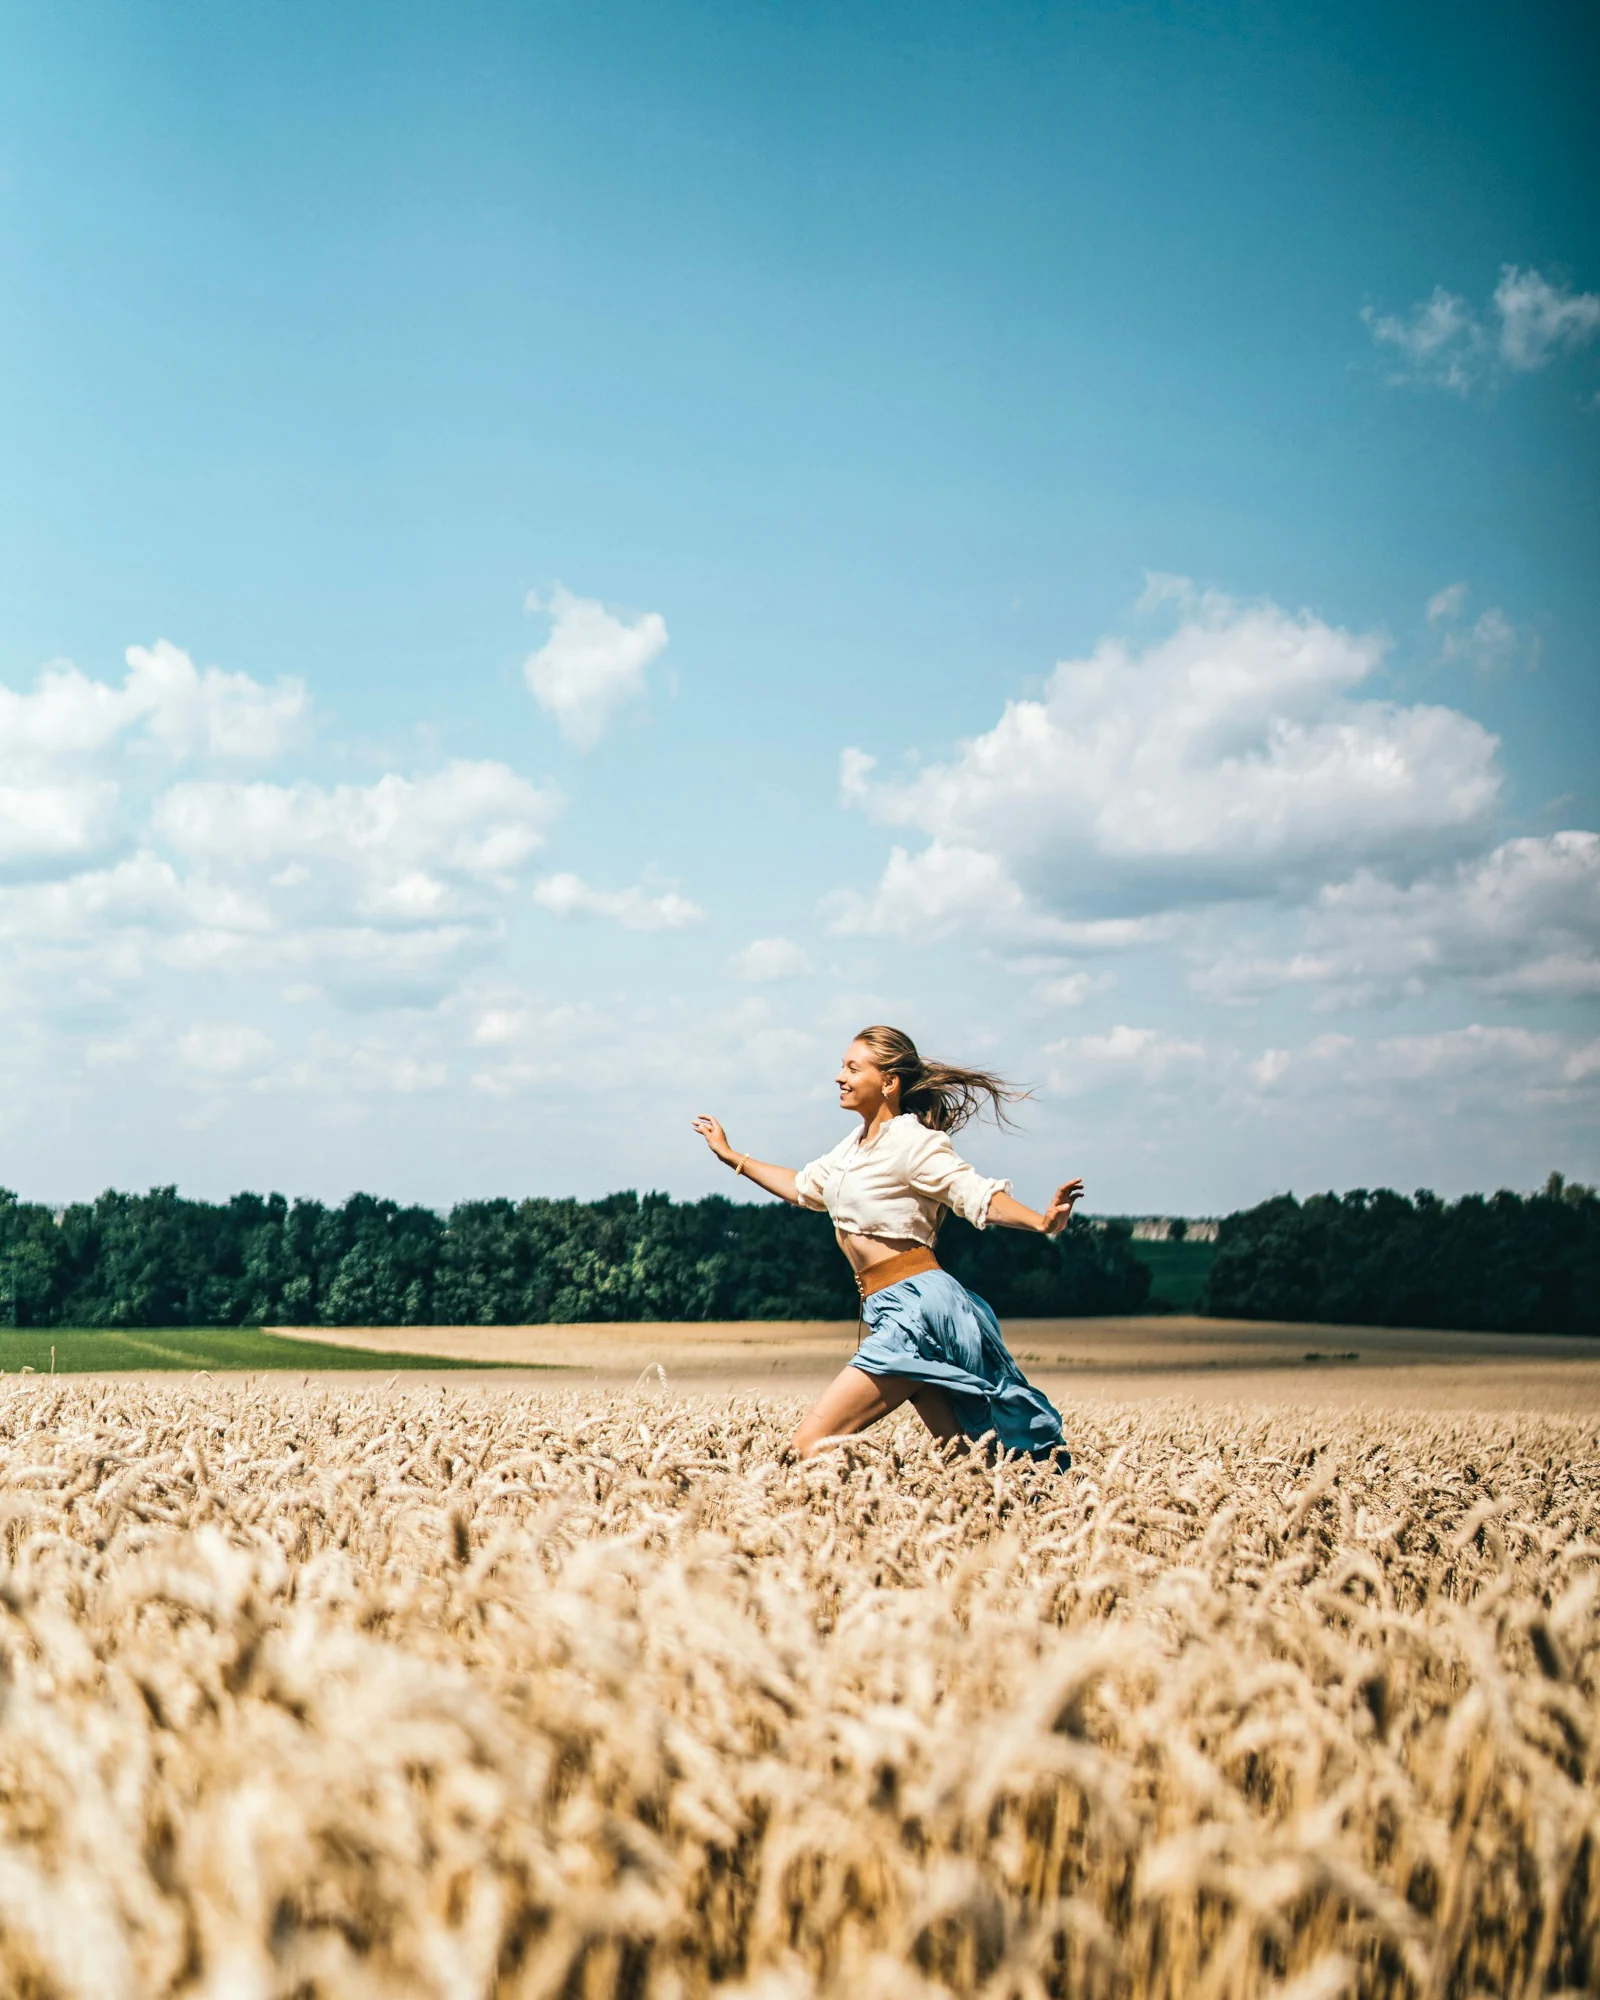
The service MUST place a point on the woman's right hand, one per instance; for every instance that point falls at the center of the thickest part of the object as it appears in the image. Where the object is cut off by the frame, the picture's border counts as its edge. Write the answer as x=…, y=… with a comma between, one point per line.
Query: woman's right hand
x=1059, y=1213
x=710, y=1129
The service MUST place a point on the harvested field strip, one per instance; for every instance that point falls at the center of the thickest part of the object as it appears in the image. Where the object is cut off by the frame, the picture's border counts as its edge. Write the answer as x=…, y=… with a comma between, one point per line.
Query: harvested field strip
x=494, y=1691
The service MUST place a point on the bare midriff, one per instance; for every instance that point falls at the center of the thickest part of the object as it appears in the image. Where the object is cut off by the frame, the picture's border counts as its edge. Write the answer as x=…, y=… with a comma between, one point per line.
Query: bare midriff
x=865, y=1251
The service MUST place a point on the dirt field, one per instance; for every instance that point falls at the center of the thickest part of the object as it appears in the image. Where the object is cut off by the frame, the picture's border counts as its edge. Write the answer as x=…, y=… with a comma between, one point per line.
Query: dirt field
x=1073, y=1360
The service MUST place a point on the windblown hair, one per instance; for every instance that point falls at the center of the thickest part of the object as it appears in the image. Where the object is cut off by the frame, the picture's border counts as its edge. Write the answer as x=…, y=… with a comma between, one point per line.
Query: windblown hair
x=943, y=1097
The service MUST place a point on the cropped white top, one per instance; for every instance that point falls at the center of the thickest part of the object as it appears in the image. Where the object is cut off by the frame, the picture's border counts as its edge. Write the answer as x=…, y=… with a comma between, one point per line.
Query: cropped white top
x=898, y=1186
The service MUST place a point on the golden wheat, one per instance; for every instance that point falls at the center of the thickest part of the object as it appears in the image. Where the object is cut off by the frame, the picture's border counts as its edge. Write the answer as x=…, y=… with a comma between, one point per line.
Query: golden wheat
x=460, y=1692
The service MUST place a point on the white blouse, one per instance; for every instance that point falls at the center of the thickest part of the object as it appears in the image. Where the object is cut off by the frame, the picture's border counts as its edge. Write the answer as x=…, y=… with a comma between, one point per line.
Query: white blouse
x=898, y=1186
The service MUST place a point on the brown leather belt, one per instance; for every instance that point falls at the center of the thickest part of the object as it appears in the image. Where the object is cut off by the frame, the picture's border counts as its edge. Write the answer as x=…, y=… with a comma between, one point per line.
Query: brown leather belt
x=904, y=1264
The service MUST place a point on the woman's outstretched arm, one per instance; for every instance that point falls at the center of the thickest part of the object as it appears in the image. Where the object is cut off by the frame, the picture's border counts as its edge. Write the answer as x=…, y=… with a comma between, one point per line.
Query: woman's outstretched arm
x=1011, y=1214
x=776, y=1180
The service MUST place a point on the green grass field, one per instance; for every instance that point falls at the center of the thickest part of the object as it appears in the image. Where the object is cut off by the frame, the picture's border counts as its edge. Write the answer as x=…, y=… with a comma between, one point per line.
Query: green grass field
x=1177, y=1273
x=102, y=1350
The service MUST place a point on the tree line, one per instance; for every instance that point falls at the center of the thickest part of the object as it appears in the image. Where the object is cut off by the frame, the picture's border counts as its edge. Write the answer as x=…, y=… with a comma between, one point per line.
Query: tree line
x=158, y=1259
x=1502, y=1263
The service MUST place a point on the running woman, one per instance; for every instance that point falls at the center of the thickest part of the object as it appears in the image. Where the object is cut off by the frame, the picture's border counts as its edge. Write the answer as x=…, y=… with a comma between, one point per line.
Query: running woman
x=929, y=1340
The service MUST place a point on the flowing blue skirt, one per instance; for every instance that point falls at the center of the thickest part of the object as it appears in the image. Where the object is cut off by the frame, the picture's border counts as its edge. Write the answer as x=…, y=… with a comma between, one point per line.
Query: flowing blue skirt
x=932, y=1329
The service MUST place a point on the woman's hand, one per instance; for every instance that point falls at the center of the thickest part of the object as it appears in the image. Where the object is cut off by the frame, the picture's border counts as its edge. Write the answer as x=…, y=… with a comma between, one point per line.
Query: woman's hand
x=1059, y=1213
x=710, y=1129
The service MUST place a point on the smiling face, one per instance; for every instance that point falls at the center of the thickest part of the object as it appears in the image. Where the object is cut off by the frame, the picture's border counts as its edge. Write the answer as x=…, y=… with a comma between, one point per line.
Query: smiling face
x=863, y=1087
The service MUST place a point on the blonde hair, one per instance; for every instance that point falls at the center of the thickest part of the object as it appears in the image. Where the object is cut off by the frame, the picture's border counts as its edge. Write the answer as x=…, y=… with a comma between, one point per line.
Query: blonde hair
x=942, y=1096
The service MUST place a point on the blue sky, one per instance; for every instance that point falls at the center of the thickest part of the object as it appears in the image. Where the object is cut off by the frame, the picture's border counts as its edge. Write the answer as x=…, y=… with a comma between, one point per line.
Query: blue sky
x=538, y=456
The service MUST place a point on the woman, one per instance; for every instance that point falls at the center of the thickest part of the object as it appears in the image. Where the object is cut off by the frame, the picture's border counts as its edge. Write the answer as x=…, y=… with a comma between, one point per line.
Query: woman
x=887, y=1186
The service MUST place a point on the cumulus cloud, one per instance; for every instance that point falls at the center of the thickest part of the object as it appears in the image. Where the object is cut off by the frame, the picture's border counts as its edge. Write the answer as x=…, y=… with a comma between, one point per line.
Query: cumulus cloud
x=592, y=665
x=1523, y=920
x=769, y=958
x=1446, y=343
x=404, y=845
x=1236, y=758
x=634, y=908
x=43, y=823
x=931, y=894
x=163, y=700
x=68, y=745
x=115, y=866
x=373, y=892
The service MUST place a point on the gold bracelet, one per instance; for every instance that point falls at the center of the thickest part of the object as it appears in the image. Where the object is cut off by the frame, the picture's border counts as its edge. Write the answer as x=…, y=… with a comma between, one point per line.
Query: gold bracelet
x=738, y=1170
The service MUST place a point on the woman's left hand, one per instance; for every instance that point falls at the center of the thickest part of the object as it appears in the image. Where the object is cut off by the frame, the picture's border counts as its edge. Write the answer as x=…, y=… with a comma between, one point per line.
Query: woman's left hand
x=1059, y=1213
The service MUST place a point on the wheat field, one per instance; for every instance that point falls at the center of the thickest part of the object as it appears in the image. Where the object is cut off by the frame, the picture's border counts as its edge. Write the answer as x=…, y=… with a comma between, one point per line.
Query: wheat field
x=416, y=1690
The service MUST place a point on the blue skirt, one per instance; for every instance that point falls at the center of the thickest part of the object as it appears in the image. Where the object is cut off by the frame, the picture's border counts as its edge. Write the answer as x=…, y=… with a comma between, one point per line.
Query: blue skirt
x=932, y=1329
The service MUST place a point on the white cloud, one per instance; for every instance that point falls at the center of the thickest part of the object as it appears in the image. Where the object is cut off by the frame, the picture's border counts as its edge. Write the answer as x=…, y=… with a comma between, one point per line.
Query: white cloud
x=377, y=892
x=677, y=1045
x=402, y=841
x=46, y=823
x=132, y=891
x=224, y=1049
x=1444, y=342
x=163, y=700
x=929, y=895
x=1460, y=1051
x=1270, y=1068
x=1439, y=342
x=1491, y=643
x=769, y=958
x=855, y=776
x=635, y=908
x=1234, y=759
x=1124, y=1057
x=211, y=713
x=592, y=665
x=67, y=745
x=390, y=1074
x=1071, y=989
x=1523, y=920
x=1476, y=1106
x=1537, y=319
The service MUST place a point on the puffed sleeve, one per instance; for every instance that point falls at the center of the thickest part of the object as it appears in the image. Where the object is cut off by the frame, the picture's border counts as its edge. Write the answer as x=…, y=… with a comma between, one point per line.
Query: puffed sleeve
x=811, y=1183
x=937, y=1170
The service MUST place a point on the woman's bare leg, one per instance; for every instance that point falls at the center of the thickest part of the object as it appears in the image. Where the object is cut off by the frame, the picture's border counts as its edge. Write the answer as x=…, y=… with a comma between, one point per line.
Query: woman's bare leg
x=853, y=1400
x=933, y=1406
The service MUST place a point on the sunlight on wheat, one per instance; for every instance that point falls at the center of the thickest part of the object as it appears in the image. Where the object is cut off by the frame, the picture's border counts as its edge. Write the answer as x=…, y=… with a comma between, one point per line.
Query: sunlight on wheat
x=452, y=1692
